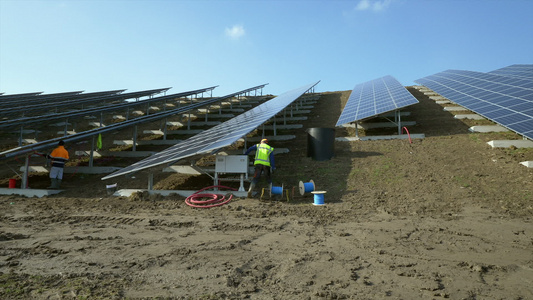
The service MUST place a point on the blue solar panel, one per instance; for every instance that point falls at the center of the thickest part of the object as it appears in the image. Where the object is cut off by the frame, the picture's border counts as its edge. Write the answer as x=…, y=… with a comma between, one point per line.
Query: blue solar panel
x=219, y=136
x=505, y=100
x=524, y=71
x=375, y=97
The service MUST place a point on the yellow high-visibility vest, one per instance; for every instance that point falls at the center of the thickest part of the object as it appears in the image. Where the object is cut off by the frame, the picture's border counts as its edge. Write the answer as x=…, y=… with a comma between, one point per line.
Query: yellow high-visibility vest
x=262, y=154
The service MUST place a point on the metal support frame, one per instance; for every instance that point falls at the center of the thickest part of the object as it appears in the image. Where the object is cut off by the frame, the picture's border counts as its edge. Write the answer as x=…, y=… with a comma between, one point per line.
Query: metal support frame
x=66, y=128
x=134, y=138
x=397, y=120
x=241, y=180
x=274, y=126
x=165, y=129
x=189, y=118
x=91, y=156
x=150, y=181
x=20, y=136
x=24, y=183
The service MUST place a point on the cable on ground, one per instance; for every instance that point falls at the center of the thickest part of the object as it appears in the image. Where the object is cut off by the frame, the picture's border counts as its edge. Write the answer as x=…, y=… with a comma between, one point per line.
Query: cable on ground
x=206, y=200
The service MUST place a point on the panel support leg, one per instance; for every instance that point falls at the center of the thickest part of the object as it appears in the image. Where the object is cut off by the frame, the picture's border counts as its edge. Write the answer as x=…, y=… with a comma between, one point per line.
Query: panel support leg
x=150, y=181
x=91, y=156
x=24, y=183
x=134, y=138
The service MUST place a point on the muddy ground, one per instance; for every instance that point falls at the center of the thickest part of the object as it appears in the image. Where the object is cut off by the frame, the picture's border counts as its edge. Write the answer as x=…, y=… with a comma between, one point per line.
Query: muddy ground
x=444, y=217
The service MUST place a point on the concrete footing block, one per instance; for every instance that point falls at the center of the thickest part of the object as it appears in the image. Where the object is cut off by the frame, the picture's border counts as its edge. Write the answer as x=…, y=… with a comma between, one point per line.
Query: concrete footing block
x=469, y=116
x=455, y=108
x=511, y=143
x=117, y=153
x=69, y=132
x=382, y=125
x=381, y=137
x=528, y=164
x=281, y=126
x=488, y=128
x=147, y=142
x=184, y=131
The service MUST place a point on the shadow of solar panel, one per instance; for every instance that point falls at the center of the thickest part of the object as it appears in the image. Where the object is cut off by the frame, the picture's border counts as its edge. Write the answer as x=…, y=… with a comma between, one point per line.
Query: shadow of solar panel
x=375, y=97
x=219, y=136
x=501, y=99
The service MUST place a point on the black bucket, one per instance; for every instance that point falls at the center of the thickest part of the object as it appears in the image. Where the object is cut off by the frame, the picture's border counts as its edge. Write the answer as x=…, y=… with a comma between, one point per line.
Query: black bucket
x=320, y=143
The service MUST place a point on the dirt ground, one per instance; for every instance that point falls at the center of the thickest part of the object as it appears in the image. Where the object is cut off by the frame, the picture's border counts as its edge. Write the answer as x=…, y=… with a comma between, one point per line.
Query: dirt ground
x=444, y=217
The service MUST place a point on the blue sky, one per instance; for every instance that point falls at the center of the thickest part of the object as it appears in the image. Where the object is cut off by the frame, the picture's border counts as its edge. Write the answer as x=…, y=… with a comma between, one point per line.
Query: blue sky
x=58, y=46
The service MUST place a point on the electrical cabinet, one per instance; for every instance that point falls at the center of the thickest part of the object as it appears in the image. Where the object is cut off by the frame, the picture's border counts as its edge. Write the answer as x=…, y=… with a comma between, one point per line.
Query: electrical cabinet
x=231, y=164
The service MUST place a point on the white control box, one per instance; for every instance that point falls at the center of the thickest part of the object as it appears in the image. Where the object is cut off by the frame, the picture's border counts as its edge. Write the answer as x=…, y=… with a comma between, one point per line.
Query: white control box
x=231, y=164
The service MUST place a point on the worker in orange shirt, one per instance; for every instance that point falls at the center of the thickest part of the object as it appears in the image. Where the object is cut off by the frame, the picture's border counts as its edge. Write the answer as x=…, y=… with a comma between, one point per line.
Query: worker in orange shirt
x=59, y=157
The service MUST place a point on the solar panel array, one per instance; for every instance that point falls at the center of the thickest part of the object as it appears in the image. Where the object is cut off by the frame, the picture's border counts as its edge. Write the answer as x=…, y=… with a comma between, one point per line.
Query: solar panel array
x=76, y=100
x=219, y=136
x=41, y=119
x=505, y=100
x=522, y=71
x=375, y=97
x=116, y=126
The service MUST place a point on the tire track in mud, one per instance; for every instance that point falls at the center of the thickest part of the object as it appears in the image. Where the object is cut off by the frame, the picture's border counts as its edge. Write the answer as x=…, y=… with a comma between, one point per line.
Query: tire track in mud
x=41, y=240
x=100, y=219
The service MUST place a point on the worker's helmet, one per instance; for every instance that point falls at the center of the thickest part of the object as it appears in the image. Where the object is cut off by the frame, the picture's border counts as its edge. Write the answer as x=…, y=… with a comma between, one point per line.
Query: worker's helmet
x=264, y=141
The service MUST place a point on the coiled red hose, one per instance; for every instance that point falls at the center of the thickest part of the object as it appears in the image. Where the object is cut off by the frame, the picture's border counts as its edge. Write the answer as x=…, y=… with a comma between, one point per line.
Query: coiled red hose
x=206, y=200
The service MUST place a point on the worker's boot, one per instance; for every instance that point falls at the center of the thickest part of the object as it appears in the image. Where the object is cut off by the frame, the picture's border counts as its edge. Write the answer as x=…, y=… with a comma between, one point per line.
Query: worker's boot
x=53, y=184
x=58, y=183
x=251, y=189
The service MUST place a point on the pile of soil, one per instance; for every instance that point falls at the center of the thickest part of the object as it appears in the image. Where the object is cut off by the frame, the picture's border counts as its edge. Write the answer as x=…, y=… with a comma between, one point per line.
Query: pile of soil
x=442, y=217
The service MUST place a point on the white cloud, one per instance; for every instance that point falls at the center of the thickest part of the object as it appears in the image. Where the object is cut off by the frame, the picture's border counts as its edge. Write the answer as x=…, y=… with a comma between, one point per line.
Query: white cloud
x=363, y=5
x=377, y=5
x=235, y=32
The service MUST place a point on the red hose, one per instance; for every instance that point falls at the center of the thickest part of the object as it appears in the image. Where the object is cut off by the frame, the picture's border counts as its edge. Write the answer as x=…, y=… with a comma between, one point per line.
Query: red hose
x=206, y=200
x=408, y=134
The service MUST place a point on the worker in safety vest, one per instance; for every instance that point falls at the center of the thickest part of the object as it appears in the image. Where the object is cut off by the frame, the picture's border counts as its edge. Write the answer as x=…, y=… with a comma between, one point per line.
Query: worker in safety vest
x=264, y=162
x=59, y=157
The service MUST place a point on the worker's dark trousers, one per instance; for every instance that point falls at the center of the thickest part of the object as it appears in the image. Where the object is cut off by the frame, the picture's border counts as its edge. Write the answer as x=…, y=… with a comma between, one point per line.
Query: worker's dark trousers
x=259, y=168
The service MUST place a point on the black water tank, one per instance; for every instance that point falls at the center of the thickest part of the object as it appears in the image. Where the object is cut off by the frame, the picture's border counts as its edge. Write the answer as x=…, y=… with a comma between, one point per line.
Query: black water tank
x=320, y=143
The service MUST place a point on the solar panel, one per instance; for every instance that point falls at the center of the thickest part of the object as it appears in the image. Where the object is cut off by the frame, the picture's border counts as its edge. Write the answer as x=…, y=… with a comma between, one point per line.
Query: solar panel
x=82, y=112
x=375, y=97
x=522, y=71
x=18, y=96
x=219, y=136
x=116, y=126
x=11, y=111
x=47, y=99
x=507, y=101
